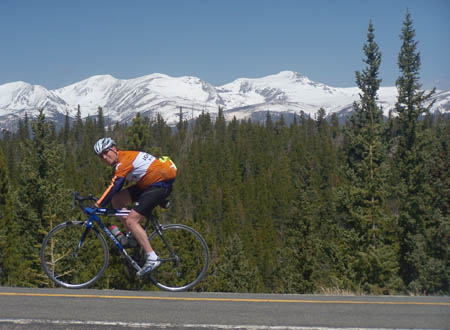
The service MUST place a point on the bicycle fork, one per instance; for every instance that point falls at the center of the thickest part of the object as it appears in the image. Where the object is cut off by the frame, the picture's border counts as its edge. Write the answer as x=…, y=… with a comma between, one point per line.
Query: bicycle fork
x=88, y=225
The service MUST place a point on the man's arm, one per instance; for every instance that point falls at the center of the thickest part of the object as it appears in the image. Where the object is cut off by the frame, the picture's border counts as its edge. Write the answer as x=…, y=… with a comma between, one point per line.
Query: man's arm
x=115, y=186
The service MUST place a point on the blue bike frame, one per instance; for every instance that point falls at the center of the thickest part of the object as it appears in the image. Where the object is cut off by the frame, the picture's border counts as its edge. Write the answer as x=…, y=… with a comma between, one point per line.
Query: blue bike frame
x=93, y=216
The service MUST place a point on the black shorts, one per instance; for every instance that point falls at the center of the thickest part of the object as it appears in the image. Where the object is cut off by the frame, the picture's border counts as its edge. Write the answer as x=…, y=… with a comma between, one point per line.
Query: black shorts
x=145, y=200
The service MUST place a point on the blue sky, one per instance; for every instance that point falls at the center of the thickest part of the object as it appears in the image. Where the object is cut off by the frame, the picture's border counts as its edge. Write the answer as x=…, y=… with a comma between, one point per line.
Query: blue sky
x=57, y=43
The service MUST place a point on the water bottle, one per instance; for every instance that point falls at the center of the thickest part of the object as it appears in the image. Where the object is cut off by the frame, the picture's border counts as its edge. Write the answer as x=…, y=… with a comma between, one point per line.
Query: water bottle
x=118, y=234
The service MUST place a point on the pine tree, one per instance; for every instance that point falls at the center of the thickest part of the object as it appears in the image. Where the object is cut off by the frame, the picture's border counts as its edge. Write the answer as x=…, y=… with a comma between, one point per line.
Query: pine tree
x=234, y=271
x=138, y=134
x=335, y=129
x=412, y=188
x=24, y=128
x=8, y=230
x=364, y=212
x=160, y=137
x=365, y=152
x=100, y=122
x=41, y=199
x=64, y=133
x=438, y=229
x=78, y=128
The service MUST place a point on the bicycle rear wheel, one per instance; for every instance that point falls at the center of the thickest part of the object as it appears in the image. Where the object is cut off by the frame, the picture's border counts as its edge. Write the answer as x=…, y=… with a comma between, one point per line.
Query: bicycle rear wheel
x=185, y=258
x=66, y=262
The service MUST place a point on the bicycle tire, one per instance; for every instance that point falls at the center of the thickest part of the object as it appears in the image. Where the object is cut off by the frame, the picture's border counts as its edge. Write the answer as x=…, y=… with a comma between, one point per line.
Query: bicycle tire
x=192, y=258
x=69, y=270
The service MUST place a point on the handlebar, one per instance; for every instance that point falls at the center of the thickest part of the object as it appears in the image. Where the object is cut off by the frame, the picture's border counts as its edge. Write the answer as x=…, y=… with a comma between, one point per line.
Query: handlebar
x=77, y=199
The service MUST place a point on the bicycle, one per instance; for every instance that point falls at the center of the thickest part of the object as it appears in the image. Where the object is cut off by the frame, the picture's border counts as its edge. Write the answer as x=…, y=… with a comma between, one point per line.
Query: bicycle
x=70, y=258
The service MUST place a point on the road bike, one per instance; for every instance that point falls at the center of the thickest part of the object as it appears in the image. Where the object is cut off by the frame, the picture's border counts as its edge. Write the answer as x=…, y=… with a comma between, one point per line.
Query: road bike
x=75, y=254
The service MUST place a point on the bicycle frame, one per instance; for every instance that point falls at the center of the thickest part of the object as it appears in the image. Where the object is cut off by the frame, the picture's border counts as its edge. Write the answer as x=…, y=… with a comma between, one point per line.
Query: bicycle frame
x=94, y=217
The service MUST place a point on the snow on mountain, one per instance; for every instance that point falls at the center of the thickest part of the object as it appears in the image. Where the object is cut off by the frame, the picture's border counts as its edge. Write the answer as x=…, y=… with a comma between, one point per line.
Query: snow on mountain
x=89, y=94
x=19, y=96
x=121, y=99
x=442, y=101
x=287, y=86
x=159, y=93
x=286, y=92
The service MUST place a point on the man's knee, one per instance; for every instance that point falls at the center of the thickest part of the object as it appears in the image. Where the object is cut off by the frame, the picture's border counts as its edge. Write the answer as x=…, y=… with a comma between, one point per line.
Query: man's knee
x=133, y=218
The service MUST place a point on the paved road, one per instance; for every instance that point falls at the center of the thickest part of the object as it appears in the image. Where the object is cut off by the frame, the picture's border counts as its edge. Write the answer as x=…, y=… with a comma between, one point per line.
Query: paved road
x=26, y=308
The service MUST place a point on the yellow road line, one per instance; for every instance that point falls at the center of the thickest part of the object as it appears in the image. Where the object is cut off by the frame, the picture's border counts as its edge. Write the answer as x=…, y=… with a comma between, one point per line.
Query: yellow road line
x=310, y=301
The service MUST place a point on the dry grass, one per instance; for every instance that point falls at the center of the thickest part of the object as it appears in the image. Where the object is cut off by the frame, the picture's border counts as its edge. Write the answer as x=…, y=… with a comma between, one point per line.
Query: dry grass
x=338, y=292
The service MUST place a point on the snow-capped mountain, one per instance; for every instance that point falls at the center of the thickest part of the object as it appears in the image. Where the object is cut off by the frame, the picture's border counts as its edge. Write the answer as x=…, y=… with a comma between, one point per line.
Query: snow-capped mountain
x=151, y=94
x=286, y=92
x=18, y=98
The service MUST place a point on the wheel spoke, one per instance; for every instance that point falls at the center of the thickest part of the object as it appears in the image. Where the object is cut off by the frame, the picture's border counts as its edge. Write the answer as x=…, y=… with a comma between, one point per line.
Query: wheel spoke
x=62, y=266
x=188, y=263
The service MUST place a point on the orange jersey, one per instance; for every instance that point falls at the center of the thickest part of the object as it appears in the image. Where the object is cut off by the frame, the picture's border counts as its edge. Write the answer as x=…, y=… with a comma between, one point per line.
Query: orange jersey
x=139, y=167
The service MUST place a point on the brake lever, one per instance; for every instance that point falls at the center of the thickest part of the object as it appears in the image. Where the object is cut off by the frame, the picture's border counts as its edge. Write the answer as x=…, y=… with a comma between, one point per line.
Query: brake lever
x=92, y=198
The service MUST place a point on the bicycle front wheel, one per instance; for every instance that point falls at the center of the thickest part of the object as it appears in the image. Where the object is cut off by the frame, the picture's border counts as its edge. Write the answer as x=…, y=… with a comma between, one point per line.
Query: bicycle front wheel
x=184, y=255
x=73, y=256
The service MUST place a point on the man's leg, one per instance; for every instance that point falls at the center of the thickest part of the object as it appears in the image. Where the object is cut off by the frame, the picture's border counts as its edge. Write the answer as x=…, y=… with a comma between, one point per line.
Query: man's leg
x=147, y=200
x=132, y=223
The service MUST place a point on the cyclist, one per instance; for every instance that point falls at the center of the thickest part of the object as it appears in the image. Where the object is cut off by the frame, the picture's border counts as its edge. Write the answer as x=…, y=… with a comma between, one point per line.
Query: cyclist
x=154, y=178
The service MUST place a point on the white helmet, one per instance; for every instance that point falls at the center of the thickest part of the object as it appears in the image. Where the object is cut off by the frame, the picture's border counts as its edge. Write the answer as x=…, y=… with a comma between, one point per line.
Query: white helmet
x=103, y=144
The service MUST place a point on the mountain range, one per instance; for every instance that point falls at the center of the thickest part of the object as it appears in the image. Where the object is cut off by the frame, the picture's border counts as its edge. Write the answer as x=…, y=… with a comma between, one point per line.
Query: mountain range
x=286, y=93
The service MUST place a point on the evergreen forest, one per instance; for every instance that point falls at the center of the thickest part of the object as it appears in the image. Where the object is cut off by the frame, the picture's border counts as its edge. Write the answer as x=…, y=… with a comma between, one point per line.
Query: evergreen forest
x=312, y=206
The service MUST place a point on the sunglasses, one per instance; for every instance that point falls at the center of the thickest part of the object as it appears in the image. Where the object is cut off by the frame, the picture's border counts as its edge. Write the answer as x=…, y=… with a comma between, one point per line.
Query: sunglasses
x=104, y=152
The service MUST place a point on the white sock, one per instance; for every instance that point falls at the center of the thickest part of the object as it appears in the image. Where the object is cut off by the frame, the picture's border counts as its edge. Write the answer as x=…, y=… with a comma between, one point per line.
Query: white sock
x=152, y=255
